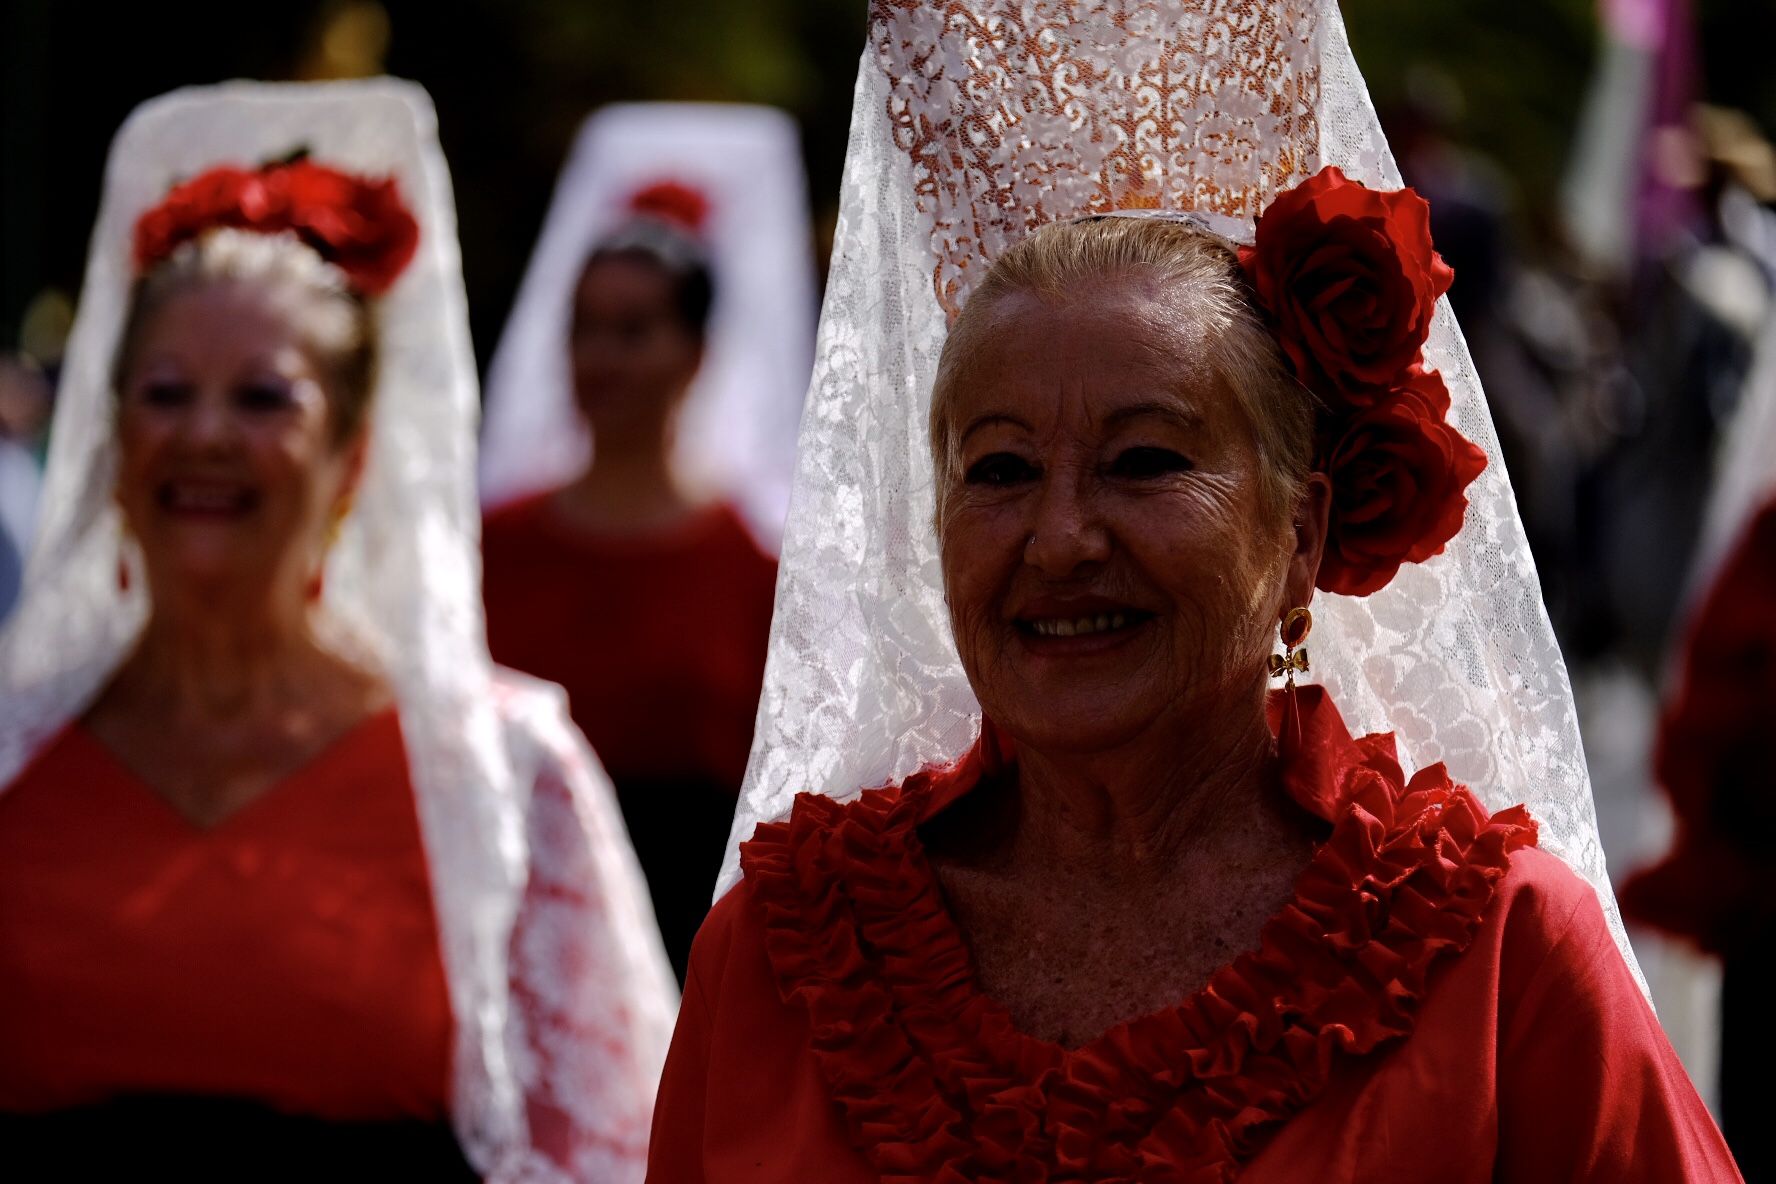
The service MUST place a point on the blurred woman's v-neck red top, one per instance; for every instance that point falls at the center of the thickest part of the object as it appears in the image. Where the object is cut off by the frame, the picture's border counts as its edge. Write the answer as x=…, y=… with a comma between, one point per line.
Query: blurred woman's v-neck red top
x=287, y=955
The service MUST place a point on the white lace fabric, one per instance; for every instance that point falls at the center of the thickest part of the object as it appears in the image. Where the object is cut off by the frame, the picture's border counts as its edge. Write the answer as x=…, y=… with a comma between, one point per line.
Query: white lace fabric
x=738, y=428
x=974, y=122
x=560, y=989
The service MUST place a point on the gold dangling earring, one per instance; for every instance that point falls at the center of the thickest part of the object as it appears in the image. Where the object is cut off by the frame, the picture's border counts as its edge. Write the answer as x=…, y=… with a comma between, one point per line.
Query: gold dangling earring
x=337, y=522
x=124, y=538
x=1297, y=624
x=317, y=583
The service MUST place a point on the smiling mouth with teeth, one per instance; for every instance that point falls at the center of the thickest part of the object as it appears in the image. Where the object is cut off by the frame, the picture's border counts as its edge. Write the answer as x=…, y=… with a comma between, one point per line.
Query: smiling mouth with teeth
x=205, y=500
x=1081, y=626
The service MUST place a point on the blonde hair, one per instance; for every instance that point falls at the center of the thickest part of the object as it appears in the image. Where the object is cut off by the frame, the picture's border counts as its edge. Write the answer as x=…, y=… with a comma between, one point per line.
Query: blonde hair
x=334, y=316
x=1204, y=274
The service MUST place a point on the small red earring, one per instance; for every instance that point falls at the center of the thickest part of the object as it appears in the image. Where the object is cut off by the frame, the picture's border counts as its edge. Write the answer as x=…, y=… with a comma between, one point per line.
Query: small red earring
x=317, y=583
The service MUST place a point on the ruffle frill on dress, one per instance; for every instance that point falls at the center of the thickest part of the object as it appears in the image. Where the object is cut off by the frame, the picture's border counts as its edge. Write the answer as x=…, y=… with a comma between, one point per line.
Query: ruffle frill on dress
x=936, y=1084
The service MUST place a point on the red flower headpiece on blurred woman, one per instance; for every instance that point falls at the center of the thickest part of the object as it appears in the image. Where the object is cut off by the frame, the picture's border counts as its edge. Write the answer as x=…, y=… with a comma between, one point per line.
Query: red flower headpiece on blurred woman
x=685, y=208
x=1349, y=280
x=359, y=225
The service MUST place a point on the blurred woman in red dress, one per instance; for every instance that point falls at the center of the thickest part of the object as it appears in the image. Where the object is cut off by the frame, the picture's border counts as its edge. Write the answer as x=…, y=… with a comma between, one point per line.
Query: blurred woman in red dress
x=292, y=885
x=635, y=581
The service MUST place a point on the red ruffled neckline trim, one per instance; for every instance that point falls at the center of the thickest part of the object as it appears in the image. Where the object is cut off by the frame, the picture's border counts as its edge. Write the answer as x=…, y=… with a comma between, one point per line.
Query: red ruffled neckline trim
x=935, y=1082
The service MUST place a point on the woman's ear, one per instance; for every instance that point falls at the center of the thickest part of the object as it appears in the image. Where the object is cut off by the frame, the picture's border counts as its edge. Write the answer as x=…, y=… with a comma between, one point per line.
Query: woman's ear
x=1308, y=525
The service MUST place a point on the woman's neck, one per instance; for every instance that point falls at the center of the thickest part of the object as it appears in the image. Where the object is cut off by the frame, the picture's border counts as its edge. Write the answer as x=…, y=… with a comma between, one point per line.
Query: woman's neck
x=629, y=487
x=205, y=663
x=1127, y=817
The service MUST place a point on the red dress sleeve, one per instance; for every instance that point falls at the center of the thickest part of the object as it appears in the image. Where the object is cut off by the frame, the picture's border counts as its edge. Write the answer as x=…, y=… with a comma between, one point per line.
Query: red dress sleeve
x=1589, y=1088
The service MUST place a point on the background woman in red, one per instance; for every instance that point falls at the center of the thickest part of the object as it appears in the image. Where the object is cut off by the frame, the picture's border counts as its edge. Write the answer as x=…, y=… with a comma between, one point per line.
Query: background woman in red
x=635, y=580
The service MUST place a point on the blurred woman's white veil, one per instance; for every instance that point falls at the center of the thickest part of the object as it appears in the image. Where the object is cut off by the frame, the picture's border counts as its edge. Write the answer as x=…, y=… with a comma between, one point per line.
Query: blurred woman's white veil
x=562, y=997
x=974, y=122
x=738, y=430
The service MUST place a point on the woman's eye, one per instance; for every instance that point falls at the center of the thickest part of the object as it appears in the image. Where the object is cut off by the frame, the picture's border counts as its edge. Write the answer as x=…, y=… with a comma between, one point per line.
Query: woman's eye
x=1000, y=468
x=164, y=394
x=1148, y=461
x=264, y=396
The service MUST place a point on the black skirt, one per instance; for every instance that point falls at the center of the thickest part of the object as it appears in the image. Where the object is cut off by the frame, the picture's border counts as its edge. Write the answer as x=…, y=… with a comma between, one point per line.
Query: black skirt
x=200, y=1140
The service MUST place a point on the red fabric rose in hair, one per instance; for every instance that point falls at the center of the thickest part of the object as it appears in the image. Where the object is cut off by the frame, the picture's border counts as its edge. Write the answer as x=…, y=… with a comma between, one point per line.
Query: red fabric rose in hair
x=1350, y=279
x=361, y=226
x=1399, y=479
x=205, y=200
x=673, y=202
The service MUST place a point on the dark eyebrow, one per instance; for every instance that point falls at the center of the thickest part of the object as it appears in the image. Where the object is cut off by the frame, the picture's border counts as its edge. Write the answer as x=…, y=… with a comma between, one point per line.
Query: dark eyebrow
x=1178, y=413
x=987, y=420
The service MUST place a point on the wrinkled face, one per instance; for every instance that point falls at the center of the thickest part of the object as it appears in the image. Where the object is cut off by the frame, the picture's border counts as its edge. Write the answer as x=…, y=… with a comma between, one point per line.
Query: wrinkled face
x=230, y=473
x=1108, y=564
x=632, y=355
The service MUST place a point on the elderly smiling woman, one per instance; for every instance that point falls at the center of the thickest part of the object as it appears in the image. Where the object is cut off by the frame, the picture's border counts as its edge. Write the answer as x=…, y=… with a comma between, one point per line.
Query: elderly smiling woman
x=1022, y=965
x=1160, y=922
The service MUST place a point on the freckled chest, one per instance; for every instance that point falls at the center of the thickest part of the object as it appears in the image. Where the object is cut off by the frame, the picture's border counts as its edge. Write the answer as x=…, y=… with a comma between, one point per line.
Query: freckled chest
x=1068, y=963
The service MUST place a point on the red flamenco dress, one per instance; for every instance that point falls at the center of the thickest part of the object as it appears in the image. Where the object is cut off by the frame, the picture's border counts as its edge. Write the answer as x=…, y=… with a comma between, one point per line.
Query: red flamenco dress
x=262, y=999
x=1440, y=1002
x=1718, y=885
x=659, y=640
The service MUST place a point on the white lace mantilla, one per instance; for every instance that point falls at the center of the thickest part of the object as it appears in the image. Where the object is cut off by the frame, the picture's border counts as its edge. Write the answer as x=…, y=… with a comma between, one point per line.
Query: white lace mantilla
x=975, y=121
x=559, y=986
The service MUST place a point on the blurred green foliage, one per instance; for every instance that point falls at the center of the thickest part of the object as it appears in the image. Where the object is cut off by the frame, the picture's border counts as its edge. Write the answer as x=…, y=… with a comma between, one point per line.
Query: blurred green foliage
x=1520, y=68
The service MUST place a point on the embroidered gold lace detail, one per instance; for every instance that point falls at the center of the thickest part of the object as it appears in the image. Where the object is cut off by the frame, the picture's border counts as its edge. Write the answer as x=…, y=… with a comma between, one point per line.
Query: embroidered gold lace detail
x=1004, y=113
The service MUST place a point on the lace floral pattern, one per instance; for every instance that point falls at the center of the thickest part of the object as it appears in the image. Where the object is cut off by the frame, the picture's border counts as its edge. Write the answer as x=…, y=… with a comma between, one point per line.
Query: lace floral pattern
x=975, y=120
x=586, y=1044
x=1011, y=115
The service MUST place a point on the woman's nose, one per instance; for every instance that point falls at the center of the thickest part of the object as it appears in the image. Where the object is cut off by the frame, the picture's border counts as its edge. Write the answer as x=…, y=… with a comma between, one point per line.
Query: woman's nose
x=208, y=423
x=1067, y=532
